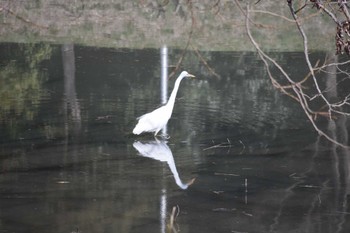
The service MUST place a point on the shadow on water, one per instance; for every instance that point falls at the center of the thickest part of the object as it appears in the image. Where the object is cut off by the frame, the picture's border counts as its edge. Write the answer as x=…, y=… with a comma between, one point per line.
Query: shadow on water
x=68, y=163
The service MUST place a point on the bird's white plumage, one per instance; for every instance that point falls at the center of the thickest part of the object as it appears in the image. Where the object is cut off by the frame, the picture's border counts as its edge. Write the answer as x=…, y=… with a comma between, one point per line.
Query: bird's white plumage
x=153, y=121
x=157, y=119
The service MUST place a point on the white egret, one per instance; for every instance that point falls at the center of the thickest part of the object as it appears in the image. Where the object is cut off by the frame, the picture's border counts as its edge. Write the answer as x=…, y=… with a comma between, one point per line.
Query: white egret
x=157, y=119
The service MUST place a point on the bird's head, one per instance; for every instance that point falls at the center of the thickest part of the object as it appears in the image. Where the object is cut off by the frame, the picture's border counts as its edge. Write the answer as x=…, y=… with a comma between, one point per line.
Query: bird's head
x=186, y=74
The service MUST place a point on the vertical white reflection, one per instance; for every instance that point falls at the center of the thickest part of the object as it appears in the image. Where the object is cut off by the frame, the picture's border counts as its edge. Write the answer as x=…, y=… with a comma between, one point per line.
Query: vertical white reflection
x=246, y=190
x=163, y=100
x=163, y=210
x=164, y=79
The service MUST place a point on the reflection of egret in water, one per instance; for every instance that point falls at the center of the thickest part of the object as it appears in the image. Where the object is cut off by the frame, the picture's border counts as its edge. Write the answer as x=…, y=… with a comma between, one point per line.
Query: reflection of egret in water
x=159, y=150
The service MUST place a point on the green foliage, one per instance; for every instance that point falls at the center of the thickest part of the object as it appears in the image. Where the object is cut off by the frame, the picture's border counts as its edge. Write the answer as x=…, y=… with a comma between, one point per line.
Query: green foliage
x=21, y=83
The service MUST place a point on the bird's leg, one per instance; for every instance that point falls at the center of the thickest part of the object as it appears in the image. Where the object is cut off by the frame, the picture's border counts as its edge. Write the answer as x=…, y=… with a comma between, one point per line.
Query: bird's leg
x=157, y=140
x=164, y=136
x=155, y=133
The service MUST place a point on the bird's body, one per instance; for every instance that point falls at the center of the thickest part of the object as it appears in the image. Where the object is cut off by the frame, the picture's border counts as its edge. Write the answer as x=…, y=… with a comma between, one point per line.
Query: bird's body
x=157, y=119
x=153, y=121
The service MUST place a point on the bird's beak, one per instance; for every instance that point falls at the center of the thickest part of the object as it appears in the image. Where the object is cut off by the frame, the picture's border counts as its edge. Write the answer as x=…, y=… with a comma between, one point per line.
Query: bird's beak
x=190, y=76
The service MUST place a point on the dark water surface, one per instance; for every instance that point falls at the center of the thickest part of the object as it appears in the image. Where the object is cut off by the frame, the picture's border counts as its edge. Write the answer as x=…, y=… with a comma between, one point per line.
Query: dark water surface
x=241, y=157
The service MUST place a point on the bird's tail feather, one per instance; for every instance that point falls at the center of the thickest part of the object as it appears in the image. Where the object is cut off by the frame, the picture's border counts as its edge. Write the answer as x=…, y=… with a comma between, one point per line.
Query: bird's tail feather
x=137, y=130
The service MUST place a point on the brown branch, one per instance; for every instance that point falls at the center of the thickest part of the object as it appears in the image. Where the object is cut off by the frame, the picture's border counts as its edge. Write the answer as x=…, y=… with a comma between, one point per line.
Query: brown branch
x=284, y=17
x=273, y=14
x=211, y=70
x=343, y=7
x=216, y=4
x=265, y=58
x=306, y=52
x=296, y=87
x=332, y=64
x=179, y=62
x=21, y=18
x=250, y=20
x=311, y=69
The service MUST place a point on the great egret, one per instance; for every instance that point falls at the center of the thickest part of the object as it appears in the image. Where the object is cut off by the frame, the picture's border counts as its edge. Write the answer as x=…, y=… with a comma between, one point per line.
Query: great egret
x=158, y=118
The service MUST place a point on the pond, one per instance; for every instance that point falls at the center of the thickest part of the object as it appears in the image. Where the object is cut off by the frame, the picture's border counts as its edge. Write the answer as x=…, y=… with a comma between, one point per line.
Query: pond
x=239, y=155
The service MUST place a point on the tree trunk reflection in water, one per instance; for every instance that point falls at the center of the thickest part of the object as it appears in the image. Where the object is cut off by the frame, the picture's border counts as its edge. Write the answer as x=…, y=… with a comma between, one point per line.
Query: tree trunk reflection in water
x=71, y=104
x=71, y=107
x=323, y=187
x=341, y=164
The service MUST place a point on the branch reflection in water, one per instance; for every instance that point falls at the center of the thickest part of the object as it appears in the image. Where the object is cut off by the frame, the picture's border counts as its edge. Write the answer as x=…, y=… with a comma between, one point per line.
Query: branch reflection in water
x=159, y=150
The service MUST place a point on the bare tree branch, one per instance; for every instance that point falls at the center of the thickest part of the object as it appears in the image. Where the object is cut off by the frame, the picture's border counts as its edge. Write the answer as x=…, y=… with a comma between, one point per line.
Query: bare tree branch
x=189, y=3
x=298, y=92
x=211, y=70
x=8, y=10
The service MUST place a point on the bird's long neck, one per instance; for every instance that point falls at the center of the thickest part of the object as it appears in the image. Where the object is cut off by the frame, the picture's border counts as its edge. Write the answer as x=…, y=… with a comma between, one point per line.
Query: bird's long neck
x=172, y=97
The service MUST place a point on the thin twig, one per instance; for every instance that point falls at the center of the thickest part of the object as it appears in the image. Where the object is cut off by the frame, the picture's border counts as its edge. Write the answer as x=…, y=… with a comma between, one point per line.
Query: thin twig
x=296, y=87
x=21, y=18
x=306, y=52
x=178, y=64
x=211, y=70
x=273, y=14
